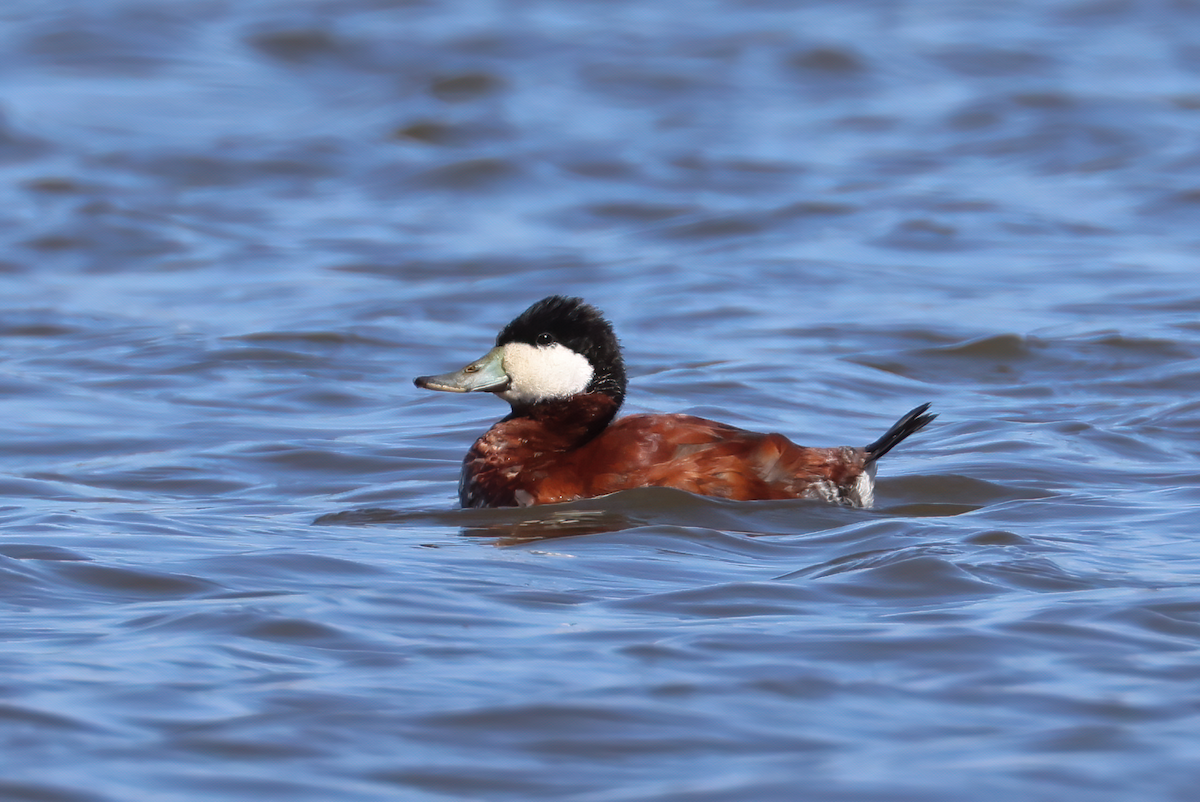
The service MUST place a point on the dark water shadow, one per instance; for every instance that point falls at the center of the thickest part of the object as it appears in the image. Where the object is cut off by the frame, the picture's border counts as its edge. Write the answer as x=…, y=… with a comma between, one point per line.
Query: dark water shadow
x=1025, y=364
x=657, y=506
x=509, y=526
x=614, y=513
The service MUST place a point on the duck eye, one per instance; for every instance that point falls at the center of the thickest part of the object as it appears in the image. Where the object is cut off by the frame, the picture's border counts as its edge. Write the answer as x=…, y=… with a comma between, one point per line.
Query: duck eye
x=545, y=338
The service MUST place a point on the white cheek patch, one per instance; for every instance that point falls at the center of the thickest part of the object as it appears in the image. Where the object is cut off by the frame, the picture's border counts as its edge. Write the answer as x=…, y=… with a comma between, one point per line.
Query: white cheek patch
x=540, y=373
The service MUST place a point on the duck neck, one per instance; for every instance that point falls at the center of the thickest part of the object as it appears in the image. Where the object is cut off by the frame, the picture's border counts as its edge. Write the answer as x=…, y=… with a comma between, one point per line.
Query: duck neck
x=566, y=423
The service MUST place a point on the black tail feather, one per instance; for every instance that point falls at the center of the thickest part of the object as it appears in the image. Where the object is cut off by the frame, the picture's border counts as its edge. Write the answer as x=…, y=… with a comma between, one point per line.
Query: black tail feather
x=911, y=423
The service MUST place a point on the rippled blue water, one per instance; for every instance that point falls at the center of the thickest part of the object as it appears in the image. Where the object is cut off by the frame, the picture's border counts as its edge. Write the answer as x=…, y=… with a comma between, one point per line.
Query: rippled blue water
x=231, y=563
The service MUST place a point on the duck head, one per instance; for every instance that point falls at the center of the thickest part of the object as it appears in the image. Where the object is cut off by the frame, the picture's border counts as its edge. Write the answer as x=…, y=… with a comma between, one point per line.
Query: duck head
x=558, y=348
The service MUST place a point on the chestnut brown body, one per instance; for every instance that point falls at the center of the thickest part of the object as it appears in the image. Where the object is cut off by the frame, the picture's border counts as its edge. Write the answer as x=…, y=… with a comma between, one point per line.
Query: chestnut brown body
x=561, y=451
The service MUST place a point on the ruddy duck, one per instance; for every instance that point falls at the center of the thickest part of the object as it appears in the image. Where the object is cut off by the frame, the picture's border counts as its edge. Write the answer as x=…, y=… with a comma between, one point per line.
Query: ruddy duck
x=559, y=365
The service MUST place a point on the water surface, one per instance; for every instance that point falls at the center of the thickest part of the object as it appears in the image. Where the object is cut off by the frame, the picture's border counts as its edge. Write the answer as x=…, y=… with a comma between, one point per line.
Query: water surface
x=231, y=563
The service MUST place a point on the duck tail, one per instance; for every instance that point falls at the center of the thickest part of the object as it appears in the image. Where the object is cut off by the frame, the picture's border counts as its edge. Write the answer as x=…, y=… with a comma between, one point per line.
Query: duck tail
x=911, y=423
